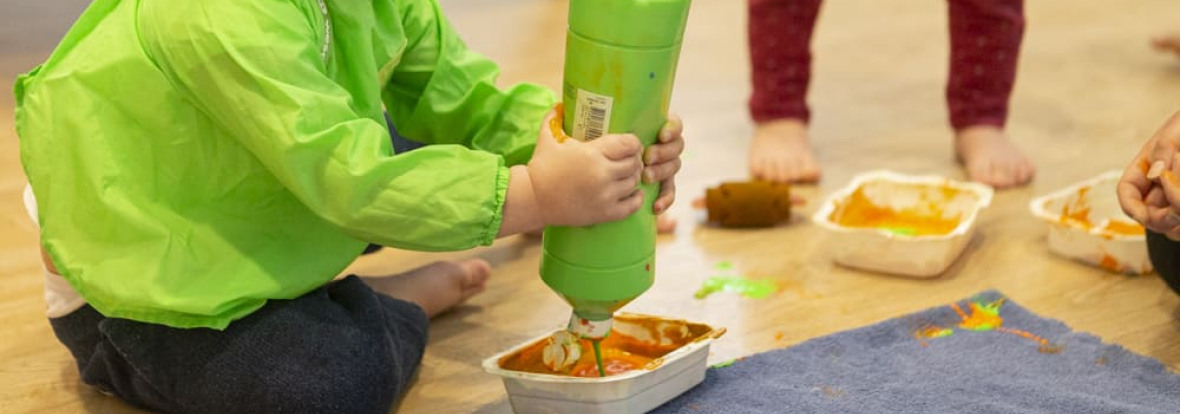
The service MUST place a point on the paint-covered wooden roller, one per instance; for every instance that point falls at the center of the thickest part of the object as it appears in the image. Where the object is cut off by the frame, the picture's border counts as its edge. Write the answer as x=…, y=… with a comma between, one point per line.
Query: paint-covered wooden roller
x=748, y=204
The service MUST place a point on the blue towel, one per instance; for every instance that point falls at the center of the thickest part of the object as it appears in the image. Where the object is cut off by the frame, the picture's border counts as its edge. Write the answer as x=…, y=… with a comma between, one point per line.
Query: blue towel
x=927, y=363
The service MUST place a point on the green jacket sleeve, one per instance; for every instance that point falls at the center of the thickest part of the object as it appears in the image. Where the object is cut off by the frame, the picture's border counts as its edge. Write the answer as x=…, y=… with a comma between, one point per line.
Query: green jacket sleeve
x=443, y=93
x=255, y=69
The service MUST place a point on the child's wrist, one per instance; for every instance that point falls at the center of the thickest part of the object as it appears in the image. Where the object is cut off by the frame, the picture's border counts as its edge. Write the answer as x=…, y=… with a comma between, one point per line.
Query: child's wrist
x=522, y=212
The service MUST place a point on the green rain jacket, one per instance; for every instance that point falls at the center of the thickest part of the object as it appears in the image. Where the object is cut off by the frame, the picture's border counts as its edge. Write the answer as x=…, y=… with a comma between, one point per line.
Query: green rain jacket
x=193, y=159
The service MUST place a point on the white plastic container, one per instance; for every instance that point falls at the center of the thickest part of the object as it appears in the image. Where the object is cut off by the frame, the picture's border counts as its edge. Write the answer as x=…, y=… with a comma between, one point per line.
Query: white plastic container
x=1077, y=217
x=886, y=251
x=630, y=392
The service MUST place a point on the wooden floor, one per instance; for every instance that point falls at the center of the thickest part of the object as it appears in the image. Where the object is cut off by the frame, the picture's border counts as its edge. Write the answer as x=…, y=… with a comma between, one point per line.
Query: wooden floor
x=1089, y=93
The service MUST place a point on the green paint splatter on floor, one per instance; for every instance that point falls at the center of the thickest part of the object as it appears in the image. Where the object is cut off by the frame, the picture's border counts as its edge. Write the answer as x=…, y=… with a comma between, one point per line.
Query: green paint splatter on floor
x=724, y=364
x=723, y=266
x=753, y=289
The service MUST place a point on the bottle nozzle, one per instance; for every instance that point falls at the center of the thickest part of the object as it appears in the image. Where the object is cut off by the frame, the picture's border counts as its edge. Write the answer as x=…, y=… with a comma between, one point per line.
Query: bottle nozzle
x=589, y=329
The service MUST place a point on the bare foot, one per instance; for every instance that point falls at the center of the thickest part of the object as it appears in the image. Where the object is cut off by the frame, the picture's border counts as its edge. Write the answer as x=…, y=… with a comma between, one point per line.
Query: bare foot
x=781, y=152
x=992, y=159
x=438, y=286
x=1167, y=43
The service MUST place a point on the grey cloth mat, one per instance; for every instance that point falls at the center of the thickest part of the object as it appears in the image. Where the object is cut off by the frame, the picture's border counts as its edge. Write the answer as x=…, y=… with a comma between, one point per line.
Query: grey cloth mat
x=885, y=368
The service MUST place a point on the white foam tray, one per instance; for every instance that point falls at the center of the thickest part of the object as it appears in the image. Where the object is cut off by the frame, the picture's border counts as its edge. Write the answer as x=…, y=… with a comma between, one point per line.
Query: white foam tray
x=879, y=250
x=635, y=392
x=1117, y=253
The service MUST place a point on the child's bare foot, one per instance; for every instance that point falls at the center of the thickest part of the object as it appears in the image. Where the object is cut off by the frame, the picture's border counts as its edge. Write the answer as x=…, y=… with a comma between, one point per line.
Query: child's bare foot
x=992, y=159
x=1167, y=43
x=781, y=152
x=438, y=286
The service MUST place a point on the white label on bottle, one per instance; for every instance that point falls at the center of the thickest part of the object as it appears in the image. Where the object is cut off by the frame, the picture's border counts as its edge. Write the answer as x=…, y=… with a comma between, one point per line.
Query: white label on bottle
x=591, y=115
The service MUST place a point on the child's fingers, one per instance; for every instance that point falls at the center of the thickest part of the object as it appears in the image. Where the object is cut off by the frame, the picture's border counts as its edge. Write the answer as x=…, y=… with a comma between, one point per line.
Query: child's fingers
x=618, y=146
x=660, y=172
x=1133, y=188
x=663, y=152
x=625, y=168
x=1170, y=182
x=625, y=207
x=1155, y=198
x=672, y=129
x=624, y=188
x=666, y=198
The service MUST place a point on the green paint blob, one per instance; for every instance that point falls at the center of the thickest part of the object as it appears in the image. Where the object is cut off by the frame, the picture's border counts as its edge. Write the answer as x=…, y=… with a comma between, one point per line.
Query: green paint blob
x=598, y=357
x=723, y=266
x=724, y=364
x=900, y=231
x=753, y=289
x=942, y=333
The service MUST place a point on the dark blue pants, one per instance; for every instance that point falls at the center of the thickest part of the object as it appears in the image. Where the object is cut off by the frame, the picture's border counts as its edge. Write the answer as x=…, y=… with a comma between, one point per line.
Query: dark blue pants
x=342, y=348
x=1165, y=257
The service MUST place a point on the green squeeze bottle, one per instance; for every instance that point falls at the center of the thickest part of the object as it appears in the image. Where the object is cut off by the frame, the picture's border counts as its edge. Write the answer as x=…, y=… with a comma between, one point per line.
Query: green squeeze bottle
x=620, y=63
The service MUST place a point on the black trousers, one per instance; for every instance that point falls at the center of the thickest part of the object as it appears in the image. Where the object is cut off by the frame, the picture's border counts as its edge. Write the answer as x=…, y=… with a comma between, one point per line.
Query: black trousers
x=342, y=348
x=1165, y=257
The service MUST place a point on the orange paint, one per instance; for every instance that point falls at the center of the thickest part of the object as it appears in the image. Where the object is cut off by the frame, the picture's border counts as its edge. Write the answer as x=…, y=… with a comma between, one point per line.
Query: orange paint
x=1024, y=334
x=959, y=311
x=1077, y=212
x=1110, y=263
x=778, y=336
x=555, y=124
x=1122, y=228
x=982, y=318
x=926, y=219
x=620, y=352
x=986, y=317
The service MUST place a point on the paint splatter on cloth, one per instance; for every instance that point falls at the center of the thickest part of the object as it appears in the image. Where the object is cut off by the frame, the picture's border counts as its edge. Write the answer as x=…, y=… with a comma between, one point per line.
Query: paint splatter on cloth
x=994, y=361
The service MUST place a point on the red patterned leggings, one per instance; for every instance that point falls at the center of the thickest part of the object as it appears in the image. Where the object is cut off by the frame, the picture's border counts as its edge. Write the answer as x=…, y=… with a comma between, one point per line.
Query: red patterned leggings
x=985, y=45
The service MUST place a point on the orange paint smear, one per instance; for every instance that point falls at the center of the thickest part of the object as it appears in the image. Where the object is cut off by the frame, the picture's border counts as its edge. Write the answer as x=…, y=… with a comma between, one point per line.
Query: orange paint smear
x=1077, y=212
x=980, y=320
x=959, y=311
x=1122, y=228
x=555, y=124
x=620, y=352
x=930, y=332
x=859, y=211
x=1110, y=263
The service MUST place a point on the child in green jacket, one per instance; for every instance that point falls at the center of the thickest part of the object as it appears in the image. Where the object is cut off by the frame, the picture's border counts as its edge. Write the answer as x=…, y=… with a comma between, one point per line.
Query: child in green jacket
x=203, y=169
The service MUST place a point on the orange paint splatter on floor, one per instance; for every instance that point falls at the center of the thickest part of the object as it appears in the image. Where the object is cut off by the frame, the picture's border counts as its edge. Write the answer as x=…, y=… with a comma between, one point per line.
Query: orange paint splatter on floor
x=778, y=336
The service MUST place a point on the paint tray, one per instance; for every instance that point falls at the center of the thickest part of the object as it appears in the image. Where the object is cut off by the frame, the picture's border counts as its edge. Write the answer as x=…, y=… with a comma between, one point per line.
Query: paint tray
x=636, y=391
x=1087, y=224
x=942, y=214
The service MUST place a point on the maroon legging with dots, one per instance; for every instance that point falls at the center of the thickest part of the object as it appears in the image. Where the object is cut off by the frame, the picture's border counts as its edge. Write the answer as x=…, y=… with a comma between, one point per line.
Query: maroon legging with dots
x=985, y=45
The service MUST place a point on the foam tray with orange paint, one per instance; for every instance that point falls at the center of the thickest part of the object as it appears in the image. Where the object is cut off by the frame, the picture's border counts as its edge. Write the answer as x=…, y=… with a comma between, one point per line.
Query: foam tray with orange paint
x=901, y=224
x=1086, y=223
x=684, y=348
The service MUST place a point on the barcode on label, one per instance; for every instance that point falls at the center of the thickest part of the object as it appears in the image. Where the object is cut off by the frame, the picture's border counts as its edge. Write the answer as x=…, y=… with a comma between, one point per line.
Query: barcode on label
x=592, y=115
x=596, y=124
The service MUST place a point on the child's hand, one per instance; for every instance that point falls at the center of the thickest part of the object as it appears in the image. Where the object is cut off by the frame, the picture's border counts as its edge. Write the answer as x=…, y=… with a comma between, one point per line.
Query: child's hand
x=581, y=183
x=1155, y=202
x=663, y=161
